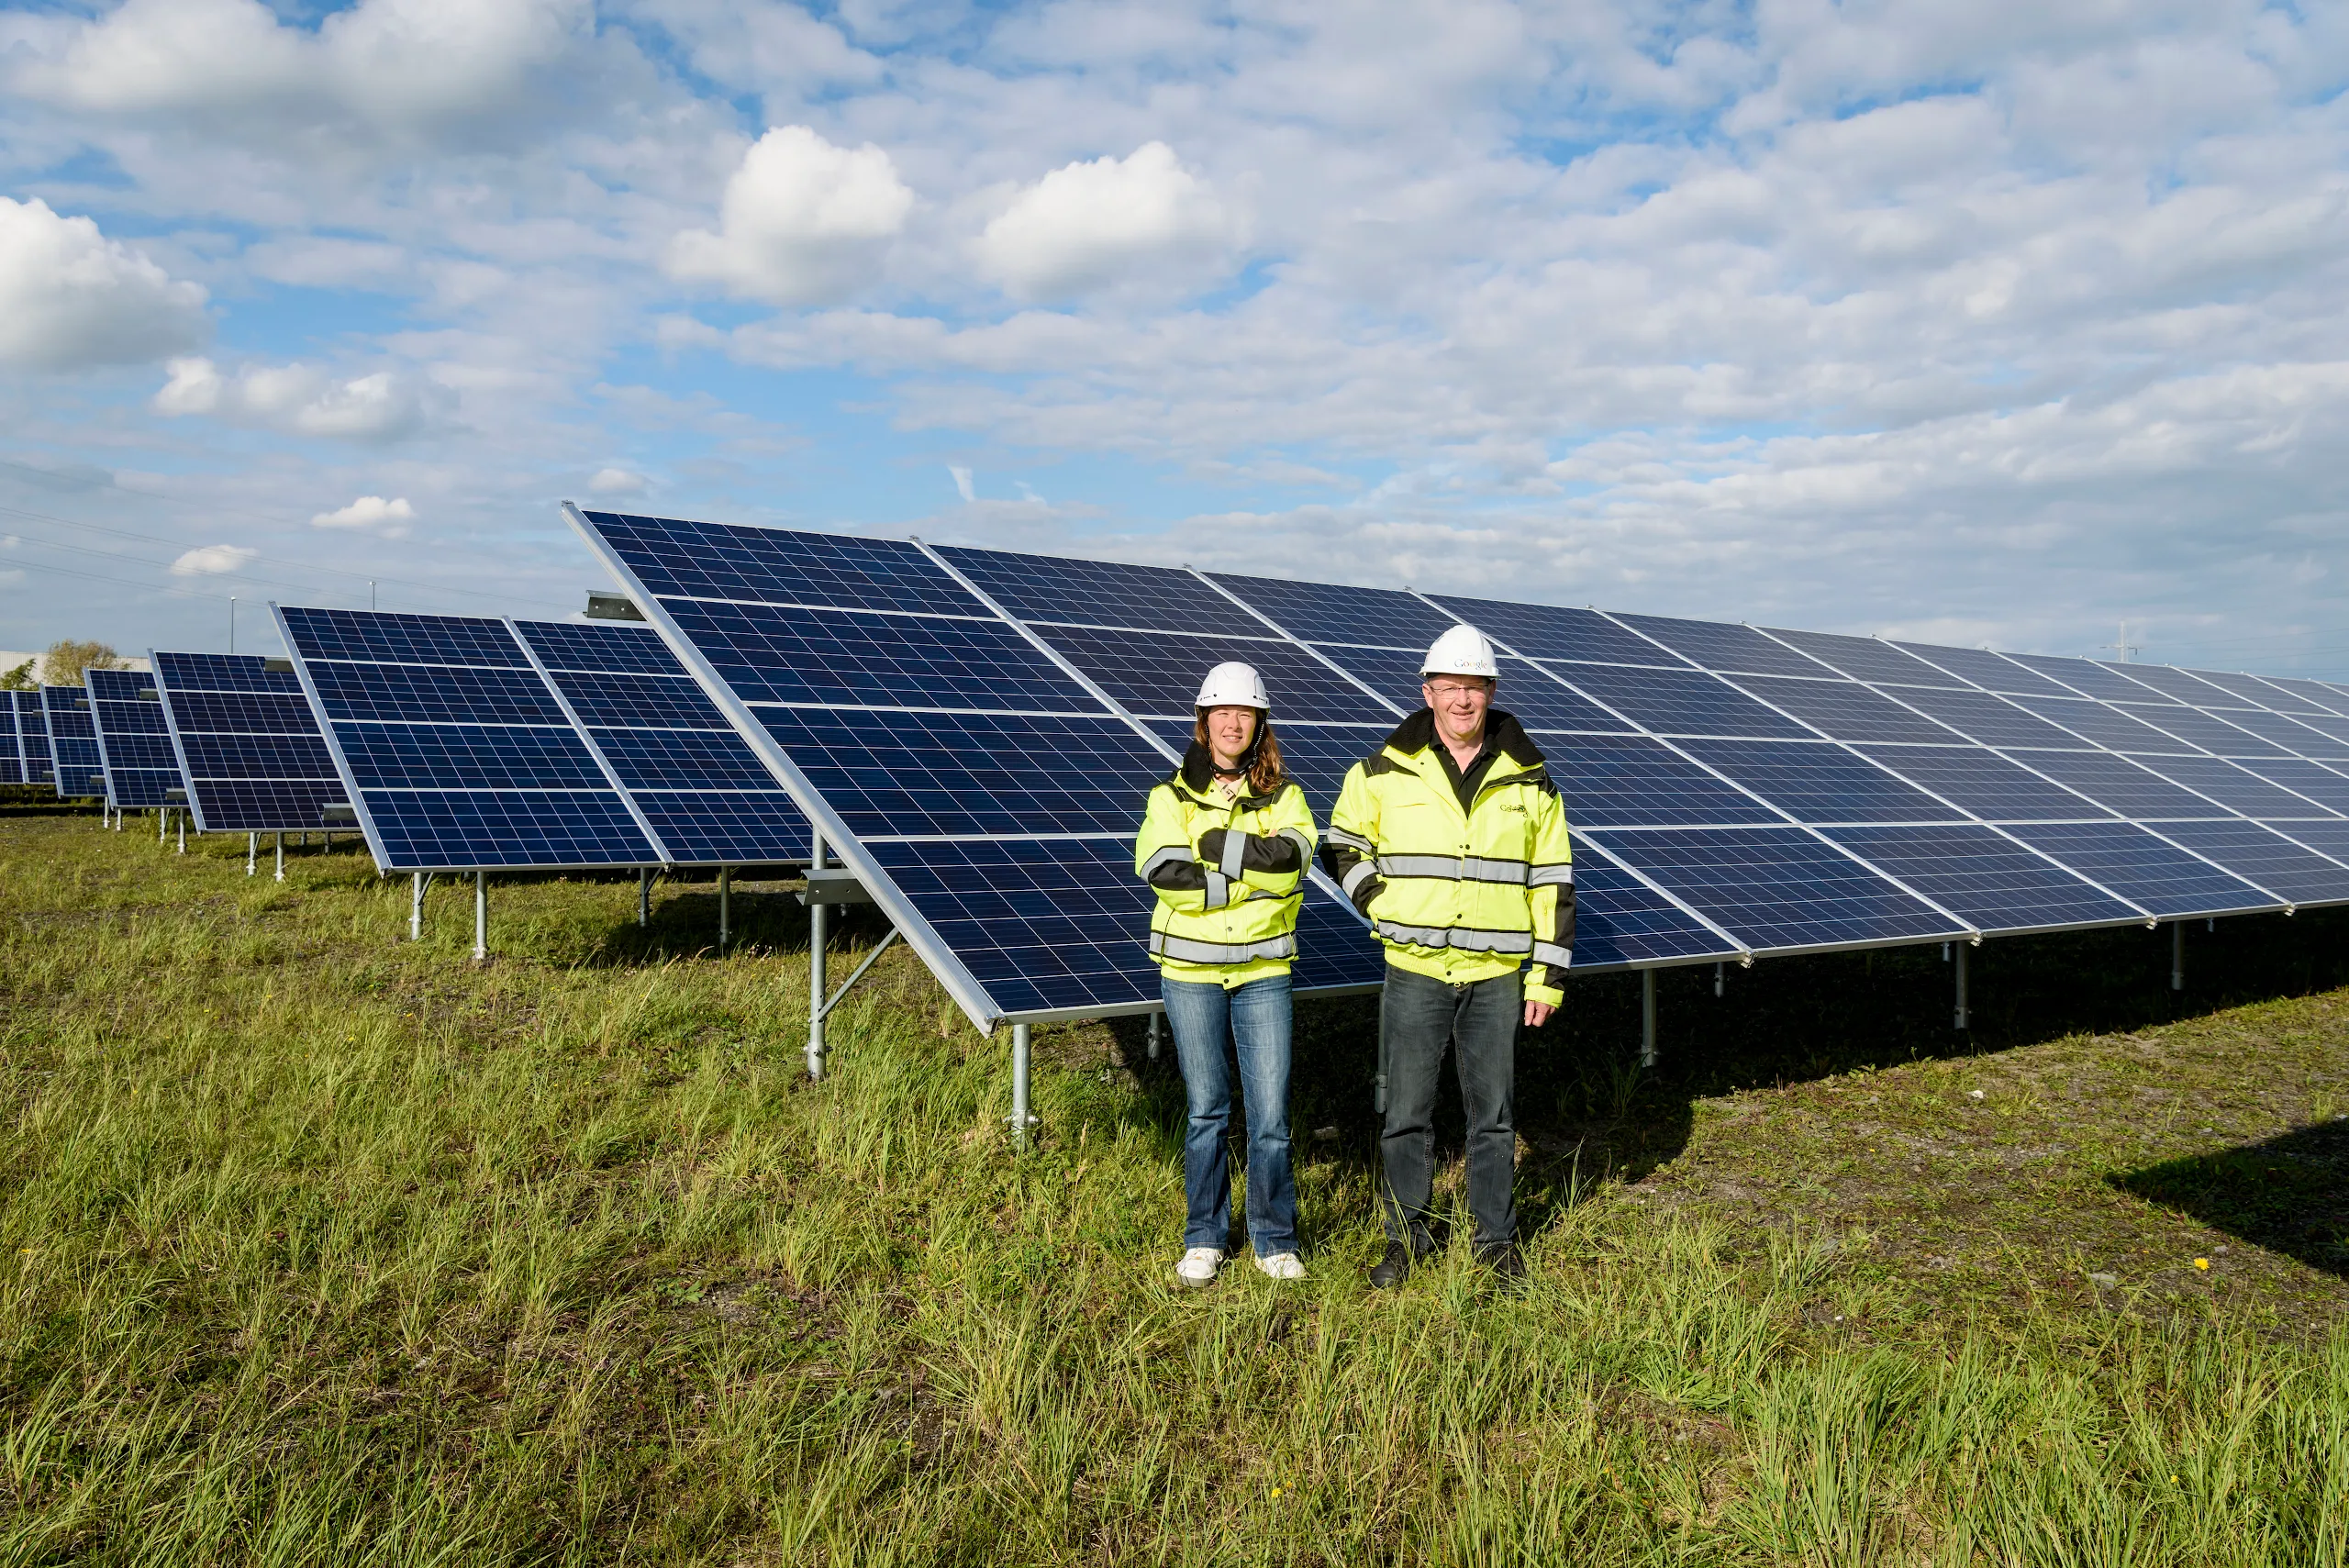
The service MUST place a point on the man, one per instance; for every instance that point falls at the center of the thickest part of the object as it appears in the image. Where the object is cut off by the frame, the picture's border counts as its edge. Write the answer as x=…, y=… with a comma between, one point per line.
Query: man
x=1453, y=841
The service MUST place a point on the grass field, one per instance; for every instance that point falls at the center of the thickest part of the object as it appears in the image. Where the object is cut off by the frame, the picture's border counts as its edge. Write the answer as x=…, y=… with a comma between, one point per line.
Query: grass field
x=320, y=1246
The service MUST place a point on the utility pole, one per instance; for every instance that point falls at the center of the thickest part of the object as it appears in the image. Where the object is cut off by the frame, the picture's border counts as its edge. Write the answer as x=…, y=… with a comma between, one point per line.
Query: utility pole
x=2123, y=647
x=370, y=594
x=232, y=623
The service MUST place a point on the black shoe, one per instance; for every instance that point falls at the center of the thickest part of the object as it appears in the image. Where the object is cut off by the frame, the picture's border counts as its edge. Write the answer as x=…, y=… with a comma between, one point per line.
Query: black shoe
x=1506, y=1262
x=1393, y=1269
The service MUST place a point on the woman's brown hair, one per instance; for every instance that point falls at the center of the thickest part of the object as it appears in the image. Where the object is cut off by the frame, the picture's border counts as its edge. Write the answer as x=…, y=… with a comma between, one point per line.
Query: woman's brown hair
x=1264, y=772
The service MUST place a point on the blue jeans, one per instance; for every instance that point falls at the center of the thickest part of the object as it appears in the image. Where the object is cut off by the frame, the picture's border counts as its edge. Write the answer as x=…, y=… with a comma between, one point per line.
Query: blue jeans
x=1420, y=1018
x=1254, y=1018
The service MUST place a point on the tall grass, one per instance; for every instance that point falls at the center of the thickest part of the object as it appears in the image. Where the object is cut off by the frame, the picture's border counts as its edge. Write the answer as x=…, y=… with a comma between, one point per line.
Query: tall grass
x=320, y=1247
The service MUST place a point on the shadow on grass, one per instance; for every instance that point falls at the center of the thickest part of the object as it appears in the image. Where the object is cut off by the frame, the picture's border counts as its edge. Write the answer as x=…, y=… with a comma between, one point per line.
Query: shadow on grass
x=2288, y=1195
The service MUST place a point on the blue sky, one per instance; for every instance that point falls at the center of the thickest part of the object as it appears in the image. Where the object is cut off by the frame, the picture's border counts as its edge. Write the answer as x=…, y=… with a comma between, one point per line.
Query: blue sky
x=1995, y=322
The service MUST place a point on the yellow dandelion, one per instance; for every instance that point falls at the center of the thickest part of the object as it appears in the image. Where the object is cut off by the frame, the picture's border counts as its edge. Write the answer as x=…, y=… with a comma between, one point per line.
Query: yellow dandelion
x=2201, y=1262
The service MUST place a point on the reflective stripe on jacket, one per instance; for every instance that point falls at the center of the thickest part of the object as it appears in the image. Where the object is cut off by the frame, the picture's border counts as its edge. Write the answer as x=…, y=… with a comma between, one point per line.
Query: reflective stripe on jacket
x=1227, y=875
x=1462, y=896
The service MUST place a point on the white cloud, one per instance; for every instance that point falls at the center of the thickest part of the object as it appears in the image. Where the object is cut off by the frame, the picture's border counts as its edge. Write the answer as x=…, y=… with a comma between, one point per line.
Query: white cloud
x=619, y=482
x=389, y=518
x=803, y=222
x=1088, y=226
x=962, y=482
x=212, y=558
x=301, y=400
x=70, y=298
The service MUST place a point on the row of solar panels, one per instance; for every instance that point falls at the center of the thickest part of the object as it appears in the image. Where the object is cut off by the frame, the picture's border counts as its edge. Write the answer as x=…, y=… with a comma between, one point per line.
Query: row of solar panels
x=973, y=731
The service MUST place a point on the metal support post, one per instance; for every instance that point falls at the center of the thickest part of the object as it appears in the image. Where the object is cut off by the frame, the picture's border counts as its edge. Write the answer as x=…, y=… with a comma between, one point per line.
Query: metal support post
x=1647, y=1017
x=1961, y=948
x=481, y=916
x=183, y=815
x=644, y=898
x=415, y=908
x=280, y=857
x=2177, y=955
x=162, y=825
x=1720, y=978
x=724, y=906
x=1020, y=1120
x=818, y=922
x=1157, y=1022
x=252, y=853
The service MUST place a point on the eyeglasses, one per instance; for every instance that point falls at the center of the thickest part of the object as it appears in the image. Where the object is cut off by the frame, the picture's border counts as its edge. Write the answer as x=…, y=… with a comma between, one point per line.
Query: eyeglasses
x=1444, y=691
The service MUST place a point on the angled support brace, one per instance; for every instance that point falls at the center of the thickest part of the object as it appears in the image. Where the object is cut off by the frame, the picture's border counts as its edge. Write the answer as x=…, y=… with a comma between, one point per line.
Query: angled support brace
x=856, y=975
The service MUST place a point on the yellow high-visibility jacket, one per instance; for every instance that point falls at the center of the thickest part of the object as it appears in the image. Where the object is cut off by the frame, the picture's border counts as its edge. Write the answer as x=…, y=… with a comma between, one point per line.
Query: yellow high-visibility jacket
x=1461, y=895
x=1227, y=875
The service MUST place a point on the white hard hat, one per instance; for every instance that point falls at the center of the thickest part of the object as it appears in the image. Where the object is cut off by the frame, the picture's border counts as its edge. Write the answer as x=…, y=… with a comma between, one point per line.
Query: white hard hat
x=1234, y=684
x=1463, y=650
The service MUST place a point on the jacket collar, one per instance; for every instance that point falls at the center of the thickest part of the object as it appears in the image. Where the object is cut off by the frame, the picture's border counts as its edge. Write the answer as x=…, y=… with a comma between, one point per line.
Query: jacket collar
x=1502, y=733
x=1197, y=773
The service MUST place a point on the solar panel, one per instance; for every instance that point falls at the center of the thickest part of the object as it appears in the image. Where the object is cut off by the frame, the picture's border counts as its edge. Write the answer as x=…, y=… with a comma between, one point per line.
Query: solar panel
x=1158, y=674
x=2329, y=839
x=142, y=772
x=2121, y=784
x=2142, y=868
x=2313, y=781
x=1983, y=784
x=456, y=754
x=2104, y=724
x=2176, y=686
x=1549, y=632
x=1846, y=710
x=693, y=779
x=1818, y=780
x=11, y=757
x=2293, y=734
x=1609, y=781
x=2333, y=742
x=1621, y=920
x=1867, y=659
x=1987, y=877
x=718, y=561
x=1777, y=888
x=1992, y=720
x=2242, y=691
x=835, y=659
x=78, y=770
x=1317, y=612
x=1101, y=593
x=2085, y=676
x=2206, y=730
x=2307, y=696
x=2265, y=858
x=1717, y=646
x=1526, y=690
x=1987, y=670
x=1679, y=702
x=2232, y=786
x=33, y=737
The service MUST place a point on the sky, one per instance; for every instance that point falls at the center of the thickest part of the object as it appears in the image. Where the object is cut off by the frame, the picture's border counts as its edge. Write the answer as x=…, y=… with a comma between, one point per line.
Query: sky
x=2001, y=322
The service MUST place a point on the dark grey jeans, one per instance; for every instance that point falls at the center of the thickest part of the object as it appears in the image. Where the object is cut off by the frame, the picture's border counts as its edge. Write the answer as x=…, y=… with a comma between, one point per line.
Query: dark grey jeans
x=1421, y=1017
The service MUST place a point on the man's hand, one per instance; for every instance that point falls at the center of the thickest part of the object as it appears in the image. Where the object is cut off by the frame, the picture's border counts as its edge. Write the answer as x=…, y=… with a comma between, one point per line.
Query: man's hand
x=1537, y=1014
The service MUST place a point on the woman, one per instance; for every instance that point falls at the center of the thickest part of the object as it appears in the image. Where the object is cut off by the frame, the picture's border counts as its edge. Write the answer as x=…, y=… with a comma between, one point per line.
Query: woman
x=1226, y=842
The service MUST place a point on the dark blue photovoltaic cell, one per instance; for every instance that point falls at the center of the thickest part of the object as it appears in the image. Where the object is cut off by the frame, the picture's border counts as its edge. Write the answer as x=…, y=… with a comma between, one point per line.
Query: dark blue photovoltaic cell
x=2287, y=733
x=2176, y=686
x=2143, y=869
x=1817, y=781
x=1101, y=593
x=12, y=761
x=1551, y=632
x=1986, y=669
x=1846, y=710
x=2325, y=837
x=242, y=806
x=2242, y=691
x=1680, y=702
x=140, y=754
x=256, y=761
x=1777, y=887
x=2104, y=724
x=381, y=637
x=727, y=827
x=2307, y=696
x=2085, y=676
x=1732, y=649
x=213, y=757
x=1526, y=691
x=2333, y=742
x=1158, y=674
x=242, y=713
x=1320, y=611
x=629, y=700
x=1992, y=720
x=417, y=694
x=33, y=731
x=2207, y=730
x=2232, y=788
x=839, y=659
x=1867, y=658
x=2257, y=855
x=2313, y=780
x=683, y=759
x=465, y=756
x=1984, y=877
x=719, y=561
x=1607, y=780
x=612, y=648
x=2121, y=783
x=462, y=830
x=1054, y=924
x=897, y=774
x=1619, y=919
x=141, y=769
x=226, y=672
x=77, y=767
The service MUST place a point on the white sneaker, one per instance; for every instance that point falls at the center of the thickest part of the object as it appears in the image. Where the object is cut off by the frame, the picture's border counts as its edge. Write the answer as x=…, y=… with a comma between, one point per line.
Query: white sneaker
x=1197, y=1268
x=1282, y=1265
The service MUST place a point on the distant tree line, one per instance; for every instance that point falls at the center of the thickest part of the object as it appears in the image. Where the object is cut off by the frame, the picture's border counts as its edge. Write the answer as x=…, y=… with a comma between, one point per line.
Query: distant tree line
x=63, y=665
